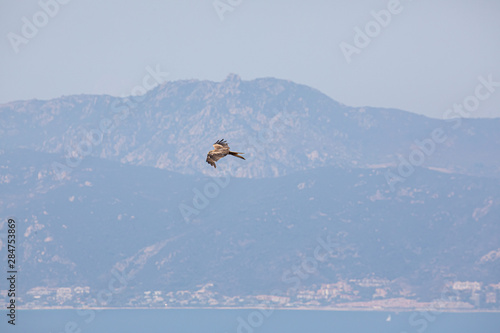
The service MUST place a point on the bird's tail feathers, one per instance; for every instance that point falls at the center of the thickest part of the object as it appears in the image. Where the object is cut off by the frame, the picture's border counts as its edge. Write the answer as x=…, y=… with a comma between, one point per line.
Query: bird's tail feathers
x=236, y=154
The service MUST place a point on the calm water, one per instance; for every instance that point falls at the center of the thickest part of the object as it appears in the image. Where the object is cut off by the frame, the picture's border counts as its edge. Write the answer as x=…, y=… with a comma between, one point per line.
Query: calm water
x=247, y=321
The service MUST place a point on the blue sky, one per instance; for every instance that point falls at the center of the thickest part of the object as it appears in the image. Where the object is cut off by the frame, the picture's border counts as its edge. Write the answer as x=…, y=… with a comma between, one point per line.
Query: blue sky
x=424, y=57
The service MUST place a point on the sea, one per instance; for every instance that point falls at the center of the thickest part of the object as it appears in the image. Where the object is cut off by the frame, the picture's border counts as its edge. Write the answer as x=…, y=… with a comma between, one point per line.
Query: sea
x=247, y=321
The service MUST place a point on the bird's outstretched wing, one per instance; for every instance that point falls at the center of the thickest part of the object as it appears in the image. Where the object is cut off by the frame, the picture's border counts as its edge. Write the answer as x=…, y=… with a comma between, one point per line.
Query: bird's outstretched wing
x=221, y=144
x=211, y=161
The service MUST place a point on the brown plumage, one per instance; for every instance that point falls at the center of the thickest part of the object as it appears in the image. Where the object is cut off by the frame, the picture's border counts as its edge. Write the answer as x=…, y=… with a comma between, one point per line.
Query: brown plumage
x=221, y=150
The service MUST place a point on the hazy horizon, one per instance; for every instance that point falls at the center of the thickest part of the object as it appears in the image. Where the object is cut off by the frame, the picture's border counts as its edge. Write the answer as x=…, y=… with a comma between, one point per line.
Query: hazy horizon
x=415, y=56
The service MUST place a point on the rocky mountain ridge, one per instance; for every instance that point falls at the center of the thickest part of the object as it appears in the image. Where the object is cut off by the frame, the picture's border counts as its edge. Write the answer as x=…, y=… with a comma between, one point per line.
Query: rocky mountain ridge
x=282, y=127
x=101, y=185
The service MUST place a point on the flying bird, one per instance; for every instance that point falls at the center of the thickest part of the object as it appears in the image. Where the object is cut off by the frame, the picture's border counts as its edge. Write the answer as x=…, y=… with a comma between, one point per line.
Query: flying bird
x=221, y=150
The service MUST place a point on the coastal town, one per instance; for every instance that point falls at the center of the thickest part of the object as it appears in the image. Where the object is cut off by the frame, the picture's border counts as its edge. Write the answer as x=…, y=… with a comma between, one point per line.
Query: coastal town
x=365, y=294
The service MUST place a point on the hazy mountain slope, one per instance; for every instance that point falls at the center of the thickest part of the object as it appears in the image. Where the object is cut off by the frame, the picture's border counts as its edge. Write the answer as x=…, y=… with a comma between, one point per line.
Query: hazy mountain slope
x=100, y=184
x=435, y=228
x=283, y=127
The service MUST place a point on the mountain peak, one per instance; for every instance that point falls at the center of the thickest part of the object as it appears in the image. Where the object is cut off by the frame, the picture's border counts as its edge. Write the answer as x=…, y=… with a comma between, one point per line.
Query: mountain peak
x=233, y=78
x=286, y=127
x=230, y=85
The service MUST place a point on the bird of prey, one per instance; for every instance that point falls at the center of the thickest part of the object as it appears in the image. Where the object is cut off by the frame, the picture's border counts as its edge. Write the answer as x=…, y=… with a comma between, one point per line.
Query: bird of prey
x=221, y=150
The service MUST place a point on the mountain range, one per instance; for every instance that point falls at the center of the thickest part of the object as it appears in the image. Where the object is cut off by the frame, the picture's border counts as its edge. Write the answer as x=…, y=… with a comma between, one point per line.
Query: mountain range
x=101, y=183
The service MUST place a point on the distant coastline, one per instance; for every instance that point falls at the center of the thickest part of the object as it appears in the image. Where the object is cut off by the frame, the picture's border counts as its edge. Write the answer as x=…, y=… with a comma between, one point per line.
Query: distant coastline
x=334, y=309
